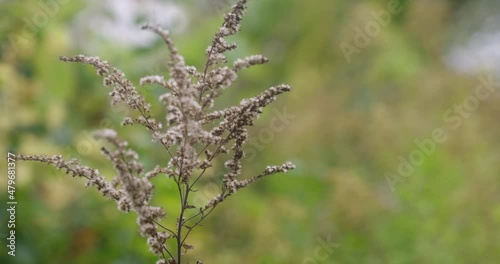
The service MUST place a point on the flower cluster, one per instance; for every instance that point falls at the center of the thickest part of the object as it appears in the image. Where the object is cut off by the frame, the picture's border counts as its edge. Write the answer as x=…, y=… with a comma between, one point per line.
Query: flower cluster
x=192, y=133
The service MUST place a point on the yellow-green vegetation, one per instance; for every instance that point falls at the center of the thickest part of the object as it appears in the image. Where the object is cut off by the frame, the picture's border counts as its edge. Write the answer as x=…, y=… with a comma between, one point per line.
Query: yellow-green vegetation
x=350, y=122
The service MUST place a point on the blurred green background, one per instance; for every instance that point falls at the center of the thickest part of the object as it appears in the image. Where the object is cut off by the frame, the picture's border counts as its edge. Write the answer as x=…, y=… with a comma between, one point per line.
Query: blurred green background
x=349, y=123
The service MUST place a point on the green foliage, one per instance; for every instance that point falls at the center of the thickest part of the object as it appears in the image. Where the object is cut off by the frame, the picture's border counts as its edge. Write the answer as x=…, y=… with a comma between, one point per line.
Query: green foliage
x=352, y=122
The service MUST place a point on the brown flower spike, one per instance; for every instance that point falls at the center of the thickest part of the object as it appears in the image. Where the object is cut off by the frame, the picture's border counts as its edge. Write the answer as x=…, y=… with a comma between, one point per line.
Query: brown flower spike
x=192, y=134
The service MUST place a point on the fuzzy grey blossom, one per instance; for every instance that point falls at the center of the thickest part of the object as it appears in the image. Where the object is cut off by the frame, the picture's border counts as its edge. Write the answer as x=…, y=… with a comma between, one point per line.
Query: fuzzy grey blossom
x=191, y=132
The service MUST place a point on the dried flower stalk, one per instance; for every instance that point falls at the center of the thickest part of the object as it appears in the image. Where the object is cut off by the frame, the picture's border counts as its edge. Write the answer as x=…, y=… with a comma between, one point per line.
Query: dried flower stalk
x=193, y=135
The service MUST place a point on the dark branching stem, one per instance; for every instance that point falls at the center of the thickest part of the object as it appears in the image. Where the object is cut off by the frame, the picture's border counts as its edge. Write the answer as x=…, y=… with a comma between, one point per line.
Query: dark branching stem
x=189, y=115
x=205, y=73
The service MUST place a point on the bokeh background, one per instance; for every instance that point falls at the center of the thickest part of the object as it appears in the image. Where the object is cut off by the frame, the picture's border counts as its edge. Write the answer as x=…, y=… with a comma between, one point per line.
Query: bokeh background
x=348, y=122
